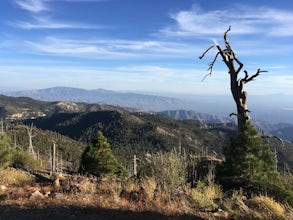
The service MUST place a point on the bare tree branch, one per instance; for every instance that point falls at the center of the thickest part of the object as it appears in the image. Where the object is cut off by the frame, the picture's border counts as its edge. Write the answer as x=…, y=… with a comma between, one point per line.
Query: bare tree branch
x=248, y=79
x=226, y=41
x=211, y=65
x=233, y=114
x=270, y=136
x=206, y=51
x=239, y=63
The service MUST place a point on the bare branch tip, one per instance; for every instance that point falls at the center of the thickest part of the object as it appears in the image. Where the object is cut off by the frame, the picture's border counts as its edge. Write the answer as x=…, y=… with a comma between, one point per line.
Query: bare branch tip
x=233, y=114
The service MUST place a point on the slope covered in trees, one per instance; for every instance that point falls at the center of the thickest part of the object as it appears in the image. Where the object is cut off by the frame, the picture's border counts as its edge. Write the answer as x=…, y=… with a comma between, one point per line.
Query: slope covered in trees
x=139, y=133
x=132, y=133
x=68, y=149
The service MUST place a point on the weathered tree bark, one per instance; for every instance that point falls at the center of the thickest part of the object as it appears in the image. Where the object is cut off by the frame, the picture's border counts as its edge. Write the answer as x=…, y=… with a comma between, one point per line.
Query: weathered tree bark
x=236, y=83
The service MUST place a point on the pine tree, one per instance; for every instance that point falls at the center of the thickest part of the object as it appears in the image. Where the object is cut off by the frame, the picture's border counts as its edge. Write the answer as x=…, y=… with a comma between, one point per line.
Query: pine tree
x=99, y=160
x=249, y=163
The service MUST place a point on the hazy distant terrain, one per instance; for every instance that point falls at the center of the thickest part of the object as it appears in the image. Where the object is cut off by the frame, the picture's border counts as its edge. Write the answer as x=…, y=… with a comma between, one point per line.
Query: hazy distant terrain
x=271, y=108
x=271, y=114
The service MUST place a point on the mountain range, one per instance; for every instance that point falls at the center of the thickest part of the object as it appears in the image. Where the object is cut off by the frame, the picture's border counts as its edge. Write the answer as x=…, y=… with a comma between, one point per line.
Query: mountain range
x=101, y=96
x=275, y=108
x=271, y=114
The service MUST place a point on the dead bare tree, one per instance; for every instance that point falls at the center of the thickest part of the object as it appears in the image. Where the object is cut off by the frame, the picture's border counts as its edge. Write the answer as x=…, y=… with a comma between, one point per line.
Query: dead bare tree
x=234, y=65
x=53, y=157
x=30, y=147
x=2, y=126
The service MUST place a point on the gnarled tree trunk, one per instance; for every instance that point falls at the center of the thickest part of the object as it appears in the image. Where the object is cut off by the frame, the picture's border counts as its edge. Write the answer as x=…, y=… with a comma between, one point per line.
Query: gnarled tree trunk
x=236, y=83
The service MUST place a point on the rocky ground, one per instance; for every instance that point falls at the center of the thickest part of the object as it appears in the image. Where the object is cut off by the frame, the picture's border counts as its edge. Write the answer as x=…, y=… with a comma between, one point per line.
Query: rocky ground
x=77, y=197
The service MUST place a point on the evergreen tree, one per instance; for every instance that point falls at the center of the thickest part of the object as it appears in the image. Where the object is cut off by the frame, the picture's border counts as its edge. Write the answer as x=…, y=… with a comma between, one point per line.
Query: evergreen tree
x=6, y=152
x=249, y=163
x=98, y=159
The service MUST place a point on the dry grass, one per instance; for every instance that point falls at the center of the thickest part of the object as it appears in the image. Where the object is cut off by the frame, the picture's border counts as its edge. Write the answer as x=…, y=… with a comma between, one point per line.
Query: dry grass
x=149, y=185
x=142, y=195
x=255, y=208
x=12, y=177
x=203, y=197
x=109, y=187
x=267, y=208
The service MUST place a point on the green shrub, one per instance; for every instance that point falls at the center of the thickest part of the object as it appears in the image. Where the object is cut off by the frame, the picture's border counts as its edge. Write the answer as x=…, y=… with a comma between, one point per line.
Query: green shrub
x=6, y=151
x=23, y=158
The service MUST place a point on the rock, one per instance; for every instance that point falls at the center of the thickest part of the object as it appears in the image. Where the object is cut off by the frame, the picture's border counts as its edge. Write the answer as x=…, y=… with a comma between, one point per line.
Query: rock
x=47, y=190
x=58, y=196
x=47, y=194
x=56, y=183
x=3, y=197
x=3, y=188
x=36, y=195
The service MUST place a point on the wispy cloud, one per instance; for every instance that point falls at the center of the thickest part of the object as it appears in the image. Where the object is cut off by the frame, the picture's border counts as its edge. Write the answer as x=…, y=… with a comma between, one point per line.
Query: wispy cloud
x=75, y=48
x=38, y=20
x=243, y=19
x=111, y=49
x=33, y=5
x=276, y=67
x=45, y=22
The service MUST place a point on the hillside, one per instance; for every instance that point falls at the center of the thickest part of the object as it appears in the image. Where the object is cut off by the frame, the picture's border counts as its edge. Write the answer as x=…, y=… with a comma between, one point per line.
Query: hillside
x=281, y=130
x=203, y=117
x=139, y=133
x=20, y=108
x=68, y=150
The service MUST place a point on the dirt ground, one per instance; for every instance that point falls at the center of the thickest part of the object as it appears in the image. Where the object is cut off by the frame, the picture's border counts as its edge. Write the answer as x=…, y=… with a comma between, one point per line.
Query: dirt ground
x=56, y=213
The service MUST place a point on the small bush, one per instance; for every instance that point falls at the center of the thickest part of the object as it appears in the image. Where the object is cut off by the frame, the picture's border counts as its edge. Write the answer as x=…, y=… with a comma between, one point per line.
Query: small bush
x=169, y=171
x=12, y=177
x=10, y=155
x=204, y=196
x=23, y=158
x=267, y=207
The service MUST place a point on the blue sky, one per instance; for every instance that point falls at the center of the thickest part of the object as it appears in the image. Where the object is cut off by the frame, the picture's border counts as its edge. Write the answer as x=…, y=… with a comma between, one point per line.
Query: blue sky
x=143, y=45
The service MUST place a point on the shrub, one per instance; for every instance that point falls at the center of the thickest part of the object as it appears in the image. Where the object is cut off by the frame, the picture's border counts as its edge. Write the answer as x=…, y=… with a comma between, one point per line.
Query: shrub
x=267, y=207
x=204, y=196
x=6, y=151
x=12, y=177
x=23, y=158
x=169, y=171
